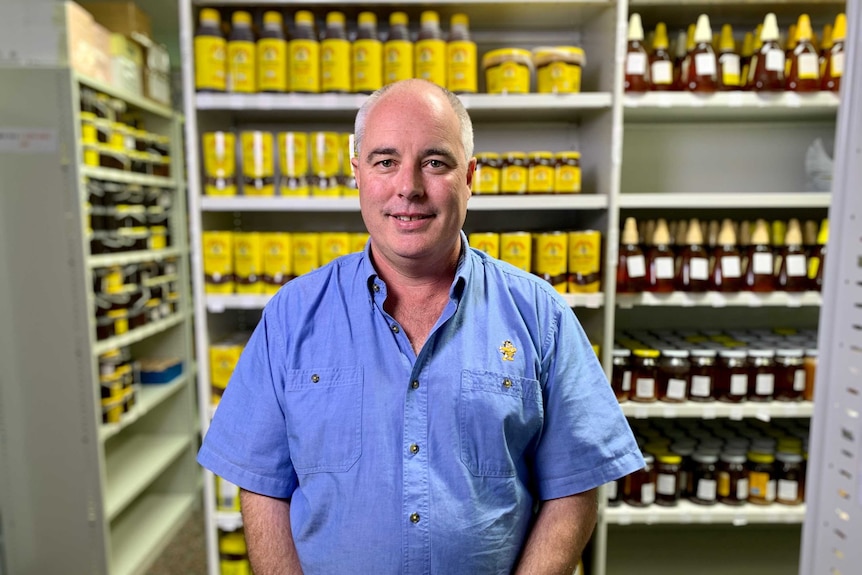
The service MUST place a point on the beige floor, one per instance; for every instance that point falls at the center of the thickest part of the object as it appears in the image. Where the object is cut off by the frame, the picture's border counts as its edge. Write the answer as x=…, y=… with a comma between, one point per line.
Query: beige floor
x=186, y=554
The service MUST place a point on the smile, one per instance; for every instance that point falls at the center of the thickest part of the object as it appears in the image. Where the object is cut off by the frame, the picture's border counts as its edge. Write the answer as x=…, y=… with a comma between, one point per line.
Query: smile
x=409, y=218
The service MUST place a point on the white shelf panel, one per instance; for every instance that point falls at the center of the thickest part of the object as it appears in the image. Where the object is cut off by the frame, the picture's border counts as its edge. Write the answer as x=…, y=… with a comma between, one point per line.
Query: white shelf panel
x=727, y=201
x=150, y=397
x=228, y=520
x=133, y=99
x=686, y=106
x=716, y=409
x=538, y=202
x=138, y=334
x=122, y=177
x=719, y=299
x=147, y=527
x=121, y=259
x=277, y=204
x=132, y=466
x=686, y=512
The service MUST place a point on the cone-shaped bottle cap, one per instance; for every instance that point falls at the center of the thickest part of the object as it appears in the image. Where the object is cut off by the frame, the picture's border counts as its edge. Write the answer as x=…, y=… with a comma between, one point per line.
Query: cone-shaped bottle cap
x=460, y=20
x=272, y=19
x=793, y=237
x=760, y=235
x=694, y=235
x=727, y=236
x=367, y=19
x=429, y=18
x=727, y=44
x=826, y=44
x=661, y=235
x=630, y=232
x=803, y=28
x=398, y=19
x=703, y=31
x=769, y=32
x=839, y=31
x=636, y=28
x=823, y=236
x=304, y=17
x=241, y=18
x=660, y=41
x=210, y=16
x=335, y=18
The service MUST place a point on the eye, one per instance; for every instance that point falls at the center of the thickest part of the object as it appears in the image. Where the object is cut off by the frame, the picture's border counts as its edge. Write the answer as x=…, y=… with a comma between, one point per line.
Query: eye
x=385, y=163
x=436, y=164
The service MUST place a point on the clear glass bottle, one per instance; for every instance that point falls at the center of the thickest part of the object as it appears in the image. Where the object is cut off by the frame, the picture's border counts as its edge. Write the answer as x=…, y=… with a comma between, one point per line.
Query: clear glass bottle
x=727, y=269
x=760, y=274
x=804, y=62
x=637, y=78
x=692, y=273
x=766, y=72
x=660, y=61
x=702, y=71
x=631, y=266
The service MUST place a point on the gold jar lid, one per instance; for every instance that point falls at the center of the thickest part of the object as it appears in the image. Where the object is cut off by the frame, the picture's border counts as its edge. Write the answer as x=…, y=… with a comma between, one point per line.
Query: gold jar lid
x=568, y=155
x=514, y=155
x=568, y=54
x=503, y=55
x=649, y=353
x=541, y=155
x=488, y=156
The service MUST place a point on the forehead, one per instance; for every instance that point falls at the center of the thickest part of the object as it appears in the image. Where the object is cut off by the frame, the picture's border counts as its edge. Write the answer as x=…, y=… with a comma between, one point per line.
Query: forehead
x=413, y=115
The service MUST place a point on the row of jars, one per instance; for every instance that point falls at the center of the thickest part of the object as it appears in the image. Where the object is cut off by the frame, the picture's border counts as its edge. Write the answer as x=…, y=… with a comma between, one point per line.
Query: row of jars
x=131, y=296
x=119, y=381
x=233, y=553
x=309, y=164
x=730, y=464
x=121, y=217
x=657, y=256
x=223, y=357
x=527, y=173
x=730, y=370
x=119, y=146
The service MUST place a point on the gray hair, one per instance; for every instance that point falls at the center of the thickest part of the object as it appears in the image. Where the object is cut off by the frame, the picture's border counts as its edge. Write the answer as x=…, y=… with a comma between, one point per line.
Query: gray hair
x=457, y=106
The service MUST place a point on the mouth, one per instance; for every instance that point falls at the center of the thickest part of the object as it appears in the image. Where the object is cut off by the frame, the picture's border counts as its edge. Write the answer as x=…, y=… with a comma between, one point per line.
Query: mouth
x=410, y=217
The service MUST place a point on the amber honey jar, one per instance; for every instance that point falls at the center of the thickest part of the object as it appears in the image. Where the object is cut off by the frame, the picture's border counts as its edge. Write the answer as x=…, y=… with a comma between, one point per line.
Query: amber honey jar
x=732, y=479
x=731, y=376
x=644, y=375
x=702, y=373
x=639, y=487
x=761, y=375
x=621, y=373
x=667, y=479
x=673, y=375
x=789, y=374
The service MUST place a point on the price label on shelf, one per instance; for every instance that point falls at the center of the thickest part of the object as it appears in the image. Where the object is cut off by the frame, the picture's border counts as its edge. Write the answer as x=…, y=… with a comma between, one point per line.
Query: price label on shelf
x=735, y=413
x=763, y=414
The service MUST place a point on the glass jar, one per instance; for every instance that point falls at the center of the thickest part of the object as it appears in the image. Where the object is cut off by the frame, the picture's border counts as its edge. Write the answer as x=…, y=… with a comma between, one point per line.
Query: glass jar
x=702, y=373
x=731, y=376
x=810, y=365
x=567, y=172
x=513, y=173
x=761, y=479
x=639, y=487
x=540, y=173
x=667, y=479
x=732, y=478
x=644, y=374
x=789, y=477
x=789, y=374
x=704, y=478
x=685, y=449
x=761, y=376
x=621, y=373
x=673, y=375
x=486, y=180
x=614, y=493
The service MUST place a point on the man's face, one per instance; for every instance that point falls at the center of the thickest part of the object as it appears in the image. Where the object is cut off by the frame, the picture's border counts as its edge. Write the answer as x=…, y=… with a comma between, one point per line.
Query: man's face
x=413, y=178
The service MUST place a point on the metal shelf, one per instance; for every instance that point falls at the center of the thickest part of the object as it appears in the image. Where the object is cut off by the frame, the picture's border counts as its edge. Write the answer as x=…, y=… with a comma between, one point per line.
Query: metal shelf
x=132, y=99
x=122, y=177
x=724, y=106
x=719, y=299
x=132, y=466
x=727, y=201
x=121, y=259
x=539, y=202
x=686, y=512
x=150, y=396
x=137, y=335
x=718, y=409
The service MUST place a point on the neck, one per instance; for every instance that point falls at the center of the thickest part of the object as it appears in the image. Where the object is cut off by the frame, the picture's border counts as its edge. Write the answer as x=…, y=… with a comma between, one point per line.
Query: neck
x=417, y=276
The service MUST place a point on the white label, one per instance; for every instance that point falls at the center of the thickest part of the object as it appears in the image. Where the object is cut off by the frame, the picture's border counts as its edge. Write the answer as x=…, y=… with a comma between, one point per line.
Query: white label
x=699, y=268
x=664, y=268
x=838, y=65
x=730, y=65
x=738, y=384
x=788, y=490
x=799, y=380
x=636, y=266
x=645, y=387
x=764, y=384
x=648, y=493
x=808, y=66
x=730, y=267
x=676, y=388
x=742, y=488
x=666, y=484
x=611, y=489
x=701, y=385
x=627, y=381
x=662, y=72
x=775, y=60
x=706, y=489
x=762, y=263
x=636, y=63
x=796, y=265
x=704, y=64
x=770, y=490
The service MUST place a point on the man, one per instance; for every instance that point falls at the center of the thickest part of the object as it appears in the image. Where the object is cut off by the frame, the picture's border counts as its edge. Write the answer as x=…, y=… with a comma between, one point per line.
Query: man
x=403, y=410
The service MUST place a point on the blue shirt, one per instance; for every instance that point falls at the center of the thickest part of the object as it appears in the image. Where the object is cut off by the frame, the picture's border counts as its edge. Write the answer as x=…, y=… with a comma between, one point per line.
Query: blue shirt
x=398, y=463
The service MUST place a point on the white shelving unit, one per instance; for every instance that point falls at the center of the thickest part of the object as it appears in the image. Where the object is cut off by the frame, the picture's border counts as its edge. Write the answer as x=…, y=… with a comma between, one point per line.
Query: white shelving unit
x=688, y=513
x=716, y=409
x=105, y=497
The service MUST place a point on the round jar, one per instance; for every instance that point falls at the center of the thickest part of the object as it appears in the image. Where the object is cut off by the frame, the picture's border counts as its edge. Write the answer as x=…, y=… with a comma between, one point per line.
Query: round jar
x=761, y=375
x=731, y=376
x=789, y=374
x=702, y=371
x=558, y=69
x=732, y=478
x=673, y=375
x=486, y=180
x=761, y=479
x=567, y=172
x=513, y=173
x=507, y=71
x=540, y=173
x=810, y=365
x=667, y=479
x=644, y=375
x=789, y=477
x=614, y=493
x=639, y=487
x=704, y=478
x=621, y=373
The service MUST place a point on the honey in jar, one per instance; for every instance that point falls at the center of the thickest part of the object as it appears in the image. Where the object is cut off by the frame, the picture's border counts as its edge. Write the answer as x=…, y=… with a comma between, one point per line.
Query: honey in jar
x=272, y=54
x=367, y=55
x=667, y=468
x=516, y=248
x=803, y=64
x=507, y=71
x=293, y=163
x=430, y=49
x=325, y=150
x=789, y=374
x=219, y=164
x=792, y=266
x=732, y=486
x=241, y=55
x=486, y=179
x=761, y=478
x=276, y=255
x=567, y=172
x=631, y=266
x=760, y=273
x=701, y=75
x=514, y=173
x=540, y=173
x=660, y=260
x=728, y=61
x=766, y=72
x=218, y=262
x=761, y=375
x=810, y=365
x=702, y=372
x=585, y=261
x=621, y=373
x=727, y=270
x=789, y=478
x=558, y=69
x=817, y=257
x=551, y=258
x=304, y=55
x=460, y=57
x=210, y=53
x=637, y=78
x=248, y=262
x=731, y=376
x=488, y=242
x=692, y=273
x=257, y=164
x=644, y=375
x=834, y=59
x=639, y=487
x=398, y=50
x=335, y=55
x=660, y=61
x=673, y=375
x=704, y=478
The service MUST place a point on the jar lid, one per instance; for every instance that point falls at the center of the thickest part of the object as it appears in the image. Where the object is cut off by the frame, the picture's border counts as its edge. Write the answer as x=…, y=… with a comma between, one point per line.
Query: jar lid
x=761, y=353
x=518, y=155
x=648, y=458
x=488, y=156
x=732, y=353
x=758, y=457
x=88, y=116
x=789, y=352
x=544, y=155
x=700, y=352
x=497, y=57
x=547, y=54
x=811, y=352
x=789, y=457
x=677, y=353
x=669, y=459
x=705, y=456
x=733, y=456
x=642, y=352
x=568, y=155
x=621, y=352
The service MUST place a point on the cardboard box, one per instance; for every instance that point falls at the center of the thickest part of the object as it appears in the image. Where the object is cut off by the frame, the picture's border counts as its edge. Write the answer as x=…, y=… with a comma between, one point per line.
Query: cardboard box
x=127, y=59
x=121, y=17
x=88, y=44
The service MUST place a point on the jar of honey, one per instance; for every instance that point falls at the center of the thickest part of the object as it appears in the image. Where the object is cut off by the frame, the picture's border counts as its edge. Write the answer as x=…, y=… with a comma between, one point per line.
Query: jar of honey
x=486, y=180
x=667, y=479
x=567, y=172
x=621, y=373
x=761, y=375
x=513, y=173
x=558, y=69
x=789, y=477
x=761, y=480
x=644, y=375
x=789, y=374
x=702, y=374
x=540, y=173
x=810, y=365
x=731, y=376
x=507, y=71
x=732, y=478
x=639, y=487
x=673, y=375
x=704, y=478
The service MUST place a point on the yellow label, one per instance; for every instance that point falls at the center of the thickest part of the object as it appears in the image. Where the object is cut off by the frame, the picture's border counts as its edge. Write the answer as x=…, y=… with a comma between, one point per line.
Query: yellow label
x=219, y=154
x=333, y=245
x=723, y=484
x=397, y=61
x=516, y=248
x=358, y=241
x=486, y=180
x=272, y=65
x=121, y=321
x=257, y=154
x=159, y=237
x=234, y=567
x=585, y=261
x=813, y=267
x=223, y=360
x=335, y=65
x=277, y=256
x=241, y=67
x=567, y=179
x=218, y=257
x=758, y=484
x=461, y=72
x=558, y=78
x=487, y=242
x=513, y=180
x=91, y=157
x=508, y=78
x=367, y=65
x=325, y=154
x=551, y=251
x=306, y=253
x=304, y=66
x=540, y=179
x=210, y=64
x=89, y=133
x=293, y=153
x=430, y=58
x=112, y=282
x=248, y=259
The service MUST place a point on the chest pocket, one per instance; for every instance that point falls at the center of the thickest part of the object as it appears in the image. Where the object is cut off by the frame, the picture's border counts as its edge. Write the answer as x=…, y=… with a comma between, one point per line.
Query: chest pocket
x=500, y=416
x=324, y=418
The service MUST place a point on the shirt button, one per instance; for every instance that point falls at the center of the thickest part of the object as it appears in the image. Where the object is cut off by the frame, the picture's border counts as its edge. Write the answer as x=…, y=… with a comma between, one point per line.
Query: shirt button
x=507, y=382
x=414, y=449
x=315, y=378
x=395, y=328
x=414, y=517
x=376, y=288
x=415, y=384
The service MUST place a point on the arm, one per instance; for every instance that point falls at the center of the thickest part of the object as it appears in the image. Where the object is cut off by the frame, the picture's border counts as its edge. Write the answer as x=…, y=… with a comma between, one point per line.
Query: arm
x=266, y=521
x=559, y=536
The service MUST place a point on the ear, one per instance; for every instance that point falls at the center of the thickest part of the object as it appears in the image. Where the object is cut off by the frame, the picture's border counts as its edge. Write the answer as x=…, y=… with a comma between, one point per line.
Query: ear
x=471, y=171
x=354, y=164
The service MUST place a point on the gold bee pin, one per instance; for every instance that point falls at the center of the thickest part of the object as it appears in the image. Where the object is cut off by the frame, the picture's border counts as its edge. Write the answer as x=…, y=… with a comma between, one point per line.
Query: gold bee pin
x=508, y=350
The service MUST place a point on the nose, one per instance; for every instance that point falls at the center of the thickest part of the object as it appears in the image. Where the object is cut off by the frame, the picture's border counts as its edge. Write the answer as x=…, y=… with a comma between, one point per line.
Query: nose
x=411, y=184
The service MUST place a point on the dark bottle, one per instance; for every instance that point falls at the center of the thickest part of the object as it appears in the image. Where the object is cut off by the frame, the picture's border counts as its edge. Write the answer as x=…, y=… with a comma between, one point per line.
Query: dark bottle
x=661, y=64
x=727, y=270
x=631, y=267
x=692, y=274
x=728, y=61
x=660, y=260
x=793, y=266
x=637, y=78
x=833, y=66
x=701, y=74
x=766, y=72
x=335, y=74
x=804, y=64
x=760, y=273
